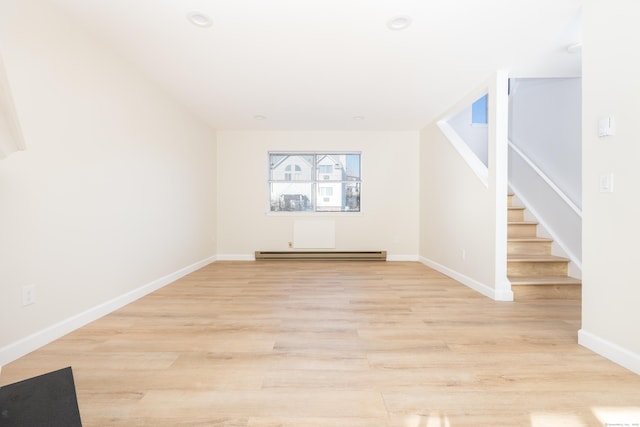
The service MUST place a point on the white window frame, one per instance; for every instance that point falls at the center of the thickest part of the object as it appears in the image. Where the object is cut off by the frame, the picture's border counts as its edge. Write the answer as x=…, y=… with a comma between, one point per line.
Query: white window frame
x=318, y=180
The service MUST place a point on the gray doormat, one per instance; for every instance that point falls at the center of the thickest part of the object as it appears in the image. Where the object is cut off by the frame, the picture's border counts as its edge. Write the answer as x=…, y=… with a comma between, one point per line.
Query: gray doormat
x=46, y=400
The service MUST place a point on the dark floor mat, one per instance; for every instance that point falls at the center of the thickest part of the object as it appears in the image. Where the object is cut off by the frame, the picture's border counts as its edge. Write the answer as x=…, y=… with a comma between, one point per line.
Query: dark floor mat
x=47, y=400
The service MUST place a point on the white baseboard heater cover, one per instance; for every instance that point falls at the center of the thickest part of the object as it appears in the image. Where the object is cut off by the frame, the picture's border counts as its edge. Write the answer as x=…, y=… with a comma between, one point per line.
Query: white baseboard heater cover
x=322, y=255
x=314, y=234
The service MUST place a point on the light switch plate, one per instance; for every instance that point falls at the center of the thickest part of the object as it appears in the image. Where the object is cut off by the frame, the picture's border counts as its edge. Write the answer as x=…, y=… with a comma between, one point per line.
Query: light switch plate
x=606, y=183
x=606, y=126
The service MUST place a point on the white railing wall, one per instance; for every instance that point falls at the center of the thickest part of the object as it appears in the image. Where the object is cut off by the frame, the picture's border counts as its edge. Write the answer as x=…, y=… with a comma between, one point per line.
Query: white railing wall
x=545, y=124
x=555, y=212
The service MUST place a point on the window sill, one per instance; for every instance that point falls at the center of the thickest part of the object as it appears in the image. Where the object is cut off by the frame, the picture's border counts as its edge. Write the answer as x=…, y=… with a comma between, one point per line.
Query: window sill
x=312, y=214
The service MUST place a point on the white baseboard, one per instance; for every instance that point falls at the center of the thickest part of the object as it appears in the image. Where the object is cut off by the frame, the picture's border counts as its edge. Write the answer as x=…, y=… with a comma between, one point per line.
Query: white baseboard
x=609, y=350
x=488, y=291
x=43, y=337
x=407, y=258
x=235, y=257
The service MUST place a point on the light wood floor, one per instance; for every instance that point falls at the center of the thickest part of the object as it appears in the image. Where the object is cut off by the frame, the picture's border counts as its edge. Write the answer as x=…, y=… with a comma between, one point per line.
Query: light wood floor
x=349, y=344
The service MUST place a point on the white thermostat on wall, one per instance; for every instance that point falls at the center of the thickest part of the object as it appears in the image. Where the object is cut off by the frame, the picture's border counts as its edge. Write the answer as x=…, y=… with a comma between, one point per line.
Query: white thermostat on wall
x=606, y=126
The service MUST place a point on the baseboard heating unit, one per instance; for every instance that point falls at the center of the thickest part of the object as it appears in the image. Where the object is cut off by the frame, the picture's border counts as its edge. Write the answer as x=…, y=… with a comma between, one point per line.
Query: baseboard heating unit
x=322, y=255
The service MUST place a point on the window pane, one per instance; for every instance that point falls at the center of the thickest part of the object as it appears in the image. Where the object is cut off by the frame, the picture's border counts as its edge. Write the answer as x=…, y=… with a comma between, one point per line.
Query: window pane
x=330, y=167
x=326, y=191
x=352, y=199
x=352, y=164
x=339, y=197
x=295, y=196
x=291, y=167
x=339, y=167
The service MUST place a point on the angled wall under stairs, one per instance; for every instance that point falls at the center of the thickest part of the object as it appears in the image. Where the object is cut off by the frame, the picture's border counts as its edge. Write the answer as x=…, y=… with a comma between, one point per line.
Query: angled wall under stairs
x=532, y=269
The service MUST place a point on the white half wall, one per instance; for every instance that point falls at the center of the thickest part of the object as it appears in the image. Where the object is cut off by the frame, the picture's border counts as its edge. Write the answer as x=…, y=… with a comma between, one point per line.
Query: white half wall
x=389, y=217
x=115, y=192
x=610, y=285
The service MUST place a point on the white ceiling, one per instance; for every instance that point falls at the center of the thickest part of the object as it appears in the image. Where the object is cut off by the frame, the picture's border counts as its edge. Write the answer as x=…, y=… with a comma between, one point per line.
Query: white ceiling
x=316, y=64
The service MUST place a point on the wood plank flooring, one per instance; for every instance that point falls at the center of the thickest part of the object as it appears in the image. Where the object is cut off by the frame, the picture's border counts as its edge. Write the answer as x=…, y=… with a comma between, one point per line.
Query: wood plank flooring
x=345, y=344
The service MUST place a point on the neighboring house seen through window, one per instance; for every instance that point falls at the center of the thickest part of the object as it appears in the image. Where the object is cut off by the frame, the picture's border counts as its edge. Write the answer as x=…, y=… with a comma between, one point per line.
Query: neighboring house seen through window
x=314, y=182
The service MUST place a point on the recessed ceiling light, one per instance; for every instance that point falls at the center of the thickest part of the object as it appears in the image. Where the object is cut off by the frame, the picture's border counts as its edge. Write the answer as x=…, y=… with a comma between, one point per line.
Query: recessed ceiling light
x=358, y=118
x=199, y=19
x=260, y=117
x=399, y=22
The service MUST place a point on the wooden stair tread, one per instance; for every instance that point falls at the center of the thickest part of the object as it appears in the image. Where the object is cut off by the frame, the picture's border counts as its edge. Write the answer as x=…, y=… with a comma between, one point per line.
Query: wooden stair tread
x=535, y=258
x=529, y=239
x=522, y=223
x=544, y=280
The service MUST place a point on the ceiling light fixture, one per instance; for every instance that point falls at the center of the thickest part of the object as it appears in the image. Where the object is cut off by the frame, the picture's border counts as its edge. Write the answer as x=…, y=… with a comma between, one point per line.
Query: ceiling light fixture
x=199, y=19
x=358, y=118
x=259, y=117
x=399, y=22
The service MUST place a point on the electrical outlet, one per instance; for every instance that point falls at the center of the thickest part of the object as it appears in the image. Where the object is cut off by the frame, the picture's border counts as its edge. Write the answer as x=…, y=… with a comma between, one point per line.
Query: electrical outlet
x=28, y=294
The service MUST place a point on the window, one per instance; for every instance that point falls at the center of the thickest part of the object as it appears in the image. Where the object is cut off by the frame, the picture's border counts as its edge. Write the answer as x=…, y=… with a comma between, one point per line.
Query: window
x=314, y=182
x=326, y=191
x=287, y=174
x=479, y=111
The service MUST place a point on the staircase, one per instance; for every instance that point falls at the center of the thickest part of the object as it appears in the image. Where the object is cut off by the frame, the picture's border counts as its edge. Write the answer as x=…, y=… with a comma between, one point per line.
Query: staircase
x=535, y=273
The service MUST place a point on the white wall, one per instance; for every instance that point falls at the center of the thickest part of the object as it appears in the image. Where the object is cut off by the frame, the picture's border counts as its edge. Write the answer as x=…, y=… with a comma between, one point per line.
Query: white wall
x=462, y=220
x=115, y=192
x=389, y=217
x=611, y=288
x=11, y=139
x=545, y=124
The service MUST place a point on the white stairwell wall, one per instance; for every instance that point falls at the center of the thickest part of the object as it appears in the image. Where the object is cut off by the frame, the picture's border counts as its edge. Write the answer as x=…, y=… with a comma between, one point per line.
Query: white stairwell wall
x=545, y=156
